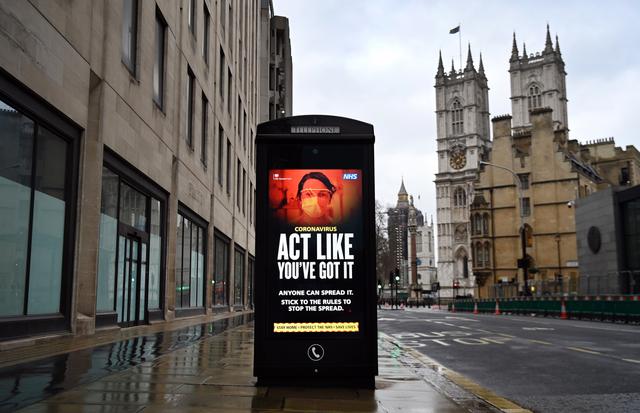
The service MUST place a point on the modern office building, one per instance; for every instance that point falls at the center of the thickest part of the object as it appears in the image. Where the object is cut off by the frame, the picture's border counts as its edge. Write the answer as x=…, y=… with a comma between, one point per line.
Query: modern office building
x=276, y=82
x=127, y=163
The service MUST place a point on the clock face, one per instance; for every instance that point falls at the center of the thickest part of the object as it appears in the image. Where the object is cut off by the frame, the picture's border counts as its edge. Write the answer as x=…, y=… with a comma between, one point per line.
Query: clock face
x=458, y=158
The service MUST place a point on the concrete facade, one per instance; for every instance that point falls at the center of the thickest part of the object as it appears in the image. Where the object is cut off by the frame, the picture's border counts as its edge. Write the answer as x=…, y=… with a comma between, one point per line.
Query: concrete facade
x=69, y=54
x=276, y=86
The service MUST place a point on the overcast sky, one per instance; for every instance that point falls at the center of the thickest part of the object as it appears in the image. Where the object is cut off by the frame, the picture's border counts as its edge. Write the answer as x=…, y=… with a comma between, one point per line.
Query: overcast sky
x=375, y=61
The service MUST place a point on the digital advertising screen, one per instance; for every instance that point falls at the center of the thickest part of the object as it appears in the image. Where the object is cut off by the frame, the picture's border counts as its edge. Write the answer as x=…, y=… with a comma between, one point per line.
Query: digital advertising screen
x=315, y=247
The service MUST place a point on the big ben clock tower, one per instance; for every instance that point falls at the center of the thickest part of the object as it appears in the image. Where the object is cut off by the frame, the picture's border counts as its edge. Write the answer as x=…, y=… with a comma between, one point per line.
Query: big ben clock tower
x=462, y=115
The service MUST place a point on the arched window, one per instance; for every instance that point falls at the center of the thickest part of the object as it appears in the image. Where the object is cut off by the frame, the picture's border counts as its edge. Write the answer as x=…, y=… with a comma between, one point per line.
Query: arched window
x=487, y=254
x=459, y=197
x=534, y=98
x=457, y=122
x=485, y=224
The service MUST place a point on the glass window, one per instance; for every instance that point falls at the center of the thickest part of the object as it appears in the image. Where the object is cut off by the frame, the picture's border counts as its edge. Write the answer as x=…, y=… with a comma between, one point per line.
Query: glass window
x=189, y=263
x=229, y=80
x=526, y=207
x=205, y=42
x=250, y=276
x=31, y=253
x=192, y=16
x=190, y=96
x=220, y=153
x=16, y=149
x=238, y=278
x=457, y=121
x=221, y=273
x=129, y=33
x=221, y=72
x=108, y=239
x=133, y=207
x=204, y=127
x=155, y=255
x=524, y=180
x=159, y=59
x=229, y=172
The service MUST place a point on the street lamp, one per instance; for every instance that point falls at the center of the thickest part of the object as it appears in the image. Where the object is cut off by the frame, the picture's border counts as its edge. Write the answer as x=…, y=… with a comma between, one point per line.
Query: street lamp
x=379, y=295
x=397, y=281
x=525, y=269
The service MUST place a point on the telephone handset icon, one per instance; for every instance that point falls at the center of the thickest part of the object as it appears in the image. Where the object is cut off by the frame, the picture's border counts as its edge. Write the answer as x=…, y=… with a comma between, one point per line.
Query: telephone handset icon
x=315, y=352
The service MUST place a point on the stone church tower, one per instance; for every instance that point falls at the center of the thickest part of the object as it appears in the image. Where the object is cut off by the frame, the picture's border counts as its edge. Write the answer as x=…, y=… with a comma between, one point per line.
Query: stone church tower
x=538, y=80
x=463, y=137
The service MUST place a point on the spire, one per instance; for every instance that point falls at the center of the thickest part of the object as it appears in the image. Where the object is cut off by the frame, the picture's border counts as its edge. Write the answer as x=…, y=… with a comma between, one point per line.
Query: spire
x=481, y=67
x=402, y=190
x=403, y=196
x=557, y=45
x=514, y=49
x=453, y=69
x=548, y=46
x=524, y=50
x=469, y=60
x=440, y=65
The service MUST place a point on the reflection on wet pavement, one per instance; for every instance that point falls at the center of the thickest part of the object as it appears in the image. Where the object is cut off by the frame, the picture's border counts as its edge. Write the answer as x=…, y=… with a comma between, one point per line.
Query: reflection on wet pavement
x=198, y=370
x=27, y=383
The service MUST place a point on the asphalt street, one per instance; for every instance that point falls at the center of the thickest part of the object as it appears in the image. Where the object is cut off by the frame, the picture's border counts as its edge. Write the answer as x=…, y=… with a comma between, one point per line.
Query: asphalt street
x=543, y=364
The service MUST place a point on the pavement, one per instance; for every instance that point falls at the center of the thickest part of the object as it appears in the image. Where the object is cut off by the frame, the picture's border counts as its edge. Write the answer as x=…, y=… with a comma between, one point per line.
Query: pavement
x=207, y=367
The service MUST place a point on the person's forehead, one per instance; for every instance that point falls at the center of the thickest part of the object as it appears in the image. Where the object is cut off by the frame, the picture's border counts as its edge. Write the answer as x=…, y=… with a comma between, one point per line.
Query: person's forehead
x=313, y=183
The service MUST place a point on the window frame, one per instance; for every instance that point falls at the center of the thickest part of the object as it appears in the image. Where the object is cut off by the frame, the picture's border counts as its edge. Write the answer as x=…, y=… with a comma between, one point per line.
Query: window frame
x=158, y=96
x=22, y=99
x=131, y=62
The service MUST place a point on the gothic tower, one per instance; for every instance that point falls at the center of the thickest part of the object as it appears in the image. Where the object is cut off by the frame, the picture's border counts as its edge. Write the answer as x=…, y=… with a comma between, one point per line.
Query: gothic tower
x=538, y=80
x=462, y=116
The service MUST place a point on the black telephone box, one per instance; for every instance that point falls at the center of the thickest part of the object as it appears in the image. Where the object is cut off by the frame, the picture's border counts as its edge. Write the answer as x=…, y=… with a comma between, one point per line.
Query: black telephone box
x=315, y=276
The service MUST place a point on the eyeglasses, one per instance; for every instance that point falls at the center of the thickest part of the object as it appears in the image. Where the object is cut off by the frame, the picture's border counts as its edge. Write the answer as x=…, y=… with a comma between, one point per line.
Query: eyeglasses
x=313, y=192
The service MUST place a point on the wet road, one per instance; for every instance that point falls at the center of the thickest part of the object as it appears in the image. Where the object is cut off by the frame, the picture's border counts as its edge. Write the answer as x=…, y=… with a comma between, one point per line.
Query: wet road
x=27, y=383
x=544, y=364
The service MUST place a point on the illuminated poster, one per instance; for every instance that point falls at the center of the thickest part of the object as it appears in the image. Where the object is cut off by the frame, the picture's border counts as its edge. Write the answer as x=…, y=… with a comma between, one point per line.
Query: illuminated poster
x=315, y=248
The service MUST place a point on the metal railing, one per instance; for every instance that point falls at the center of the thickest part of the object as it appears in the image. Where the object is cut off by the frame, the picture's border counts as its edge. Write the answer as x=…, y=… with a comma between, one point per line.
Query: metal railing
x=610, y=283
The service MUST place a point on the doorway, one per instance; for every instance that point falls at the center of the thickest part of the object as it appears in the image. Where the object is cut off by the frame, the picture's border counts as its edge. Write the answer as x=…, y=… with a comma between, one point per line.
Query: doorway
x=131, y=279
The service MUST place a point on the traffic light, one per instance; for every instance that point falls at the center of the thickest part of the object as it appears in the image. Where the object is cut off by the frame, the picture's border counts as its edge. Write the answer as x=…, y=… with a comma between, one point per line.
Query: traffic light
x=397, y=276
x=390, y=277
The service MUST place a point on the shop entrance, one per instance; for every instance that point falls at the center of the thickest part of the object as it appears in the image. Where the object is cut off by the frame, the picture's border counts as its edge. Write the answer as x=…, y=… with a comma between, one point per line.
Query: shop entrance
x=132, y=278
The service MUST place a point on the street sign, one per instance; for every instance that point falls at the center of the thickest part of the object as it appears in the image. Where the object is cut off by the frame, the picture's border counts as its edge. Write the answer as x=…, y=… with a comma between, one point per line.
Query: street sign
x=315, y=283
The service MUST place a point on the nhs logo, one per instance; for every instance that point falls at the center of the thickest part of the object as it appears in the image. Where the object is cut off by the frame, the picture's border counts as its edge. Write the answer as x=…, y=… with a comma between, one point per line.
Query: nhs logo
x=350, y=177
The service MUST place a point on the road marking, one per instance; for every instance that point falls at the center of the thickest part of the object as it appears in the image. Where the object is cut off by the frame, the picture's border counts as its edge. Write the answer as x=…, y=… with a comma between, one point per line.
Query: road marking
x=538, y=328
x=506, y=335
x=386, y=319
x=583, y=350
x=462, y=318
x=470, y=341
x=483, y=393
x=541, y=342
x=632, y=361
x=465, y=327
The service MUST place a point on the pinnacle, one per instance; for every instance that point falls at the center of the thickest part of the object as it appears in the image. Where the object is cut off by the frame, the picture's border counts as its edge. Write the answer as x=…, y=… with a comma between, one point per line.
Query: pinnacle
x=469, y=60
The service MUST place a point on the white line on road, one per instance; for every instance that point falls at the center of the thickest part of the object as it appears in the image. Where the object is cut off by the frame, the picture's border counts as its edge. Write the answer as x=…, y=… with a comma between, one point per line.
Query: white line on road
x=632, y=361
x=583, y=350
x=540, y=342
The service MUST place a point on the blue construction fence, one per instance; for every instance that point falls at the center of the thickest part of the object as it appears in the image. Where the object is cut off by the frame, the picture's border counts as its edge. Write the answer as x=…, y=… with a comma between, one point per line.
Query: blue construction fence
x=611, y=308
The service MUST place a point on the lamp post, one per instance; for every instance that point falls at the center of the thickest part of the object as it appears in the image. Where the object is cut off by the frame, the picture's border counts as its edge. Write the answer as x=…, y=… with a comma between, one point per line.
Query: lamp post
x=379, y=295
x=397, y=281
x=525, y=269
